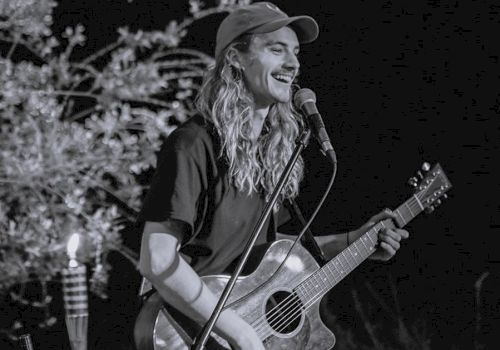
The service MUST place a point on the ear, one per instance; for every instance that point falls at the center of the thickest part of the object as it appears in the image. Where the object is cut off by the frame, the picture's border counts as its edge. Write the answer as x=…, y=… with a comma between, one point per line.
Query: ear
x=235, y=58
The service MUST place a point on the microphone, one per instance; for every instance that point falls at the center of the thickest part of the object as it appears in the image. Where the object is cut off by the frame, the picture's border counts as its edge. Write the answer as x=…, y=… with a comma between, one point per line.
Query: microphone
x=305, y=100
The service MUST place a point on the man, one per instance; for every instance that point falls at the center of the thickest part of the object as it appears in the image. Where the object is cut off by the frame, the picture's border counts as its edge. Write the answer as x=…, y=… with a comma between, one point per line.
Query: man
x=217, y=170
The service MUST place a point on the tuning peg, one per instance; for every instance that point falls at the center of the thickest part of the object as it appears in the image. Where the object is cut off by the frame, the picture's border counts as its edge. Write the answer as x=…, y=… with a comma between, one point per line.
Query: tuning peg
x=429, y=210
x=413, y=182
x=423, y=170
x=437, y=202
x=444, y=196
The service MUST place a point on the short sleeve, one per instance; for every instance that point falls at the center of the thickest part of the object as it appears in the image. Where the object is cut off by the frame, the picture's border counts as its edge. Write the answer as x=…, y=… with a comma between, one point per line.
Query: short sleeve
x=176, y=185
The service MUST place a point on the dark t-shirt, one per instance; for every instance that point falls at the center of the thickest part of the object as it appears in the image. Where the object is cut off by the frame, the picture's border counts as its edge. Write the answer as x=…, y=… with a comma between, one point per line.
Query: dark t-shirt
x=191, y=184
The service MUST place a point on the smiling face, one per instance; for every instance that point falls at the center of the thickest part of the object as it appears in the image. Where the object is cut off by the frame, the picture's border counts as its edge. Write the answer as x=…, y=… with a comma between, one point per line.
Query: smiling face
x=270, y=65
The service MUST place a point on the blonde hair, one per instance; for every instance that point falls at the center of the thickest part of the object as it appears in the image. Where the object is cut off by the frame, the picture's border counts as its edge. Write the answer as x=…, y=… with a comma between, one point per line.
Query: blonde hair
x=226, y=102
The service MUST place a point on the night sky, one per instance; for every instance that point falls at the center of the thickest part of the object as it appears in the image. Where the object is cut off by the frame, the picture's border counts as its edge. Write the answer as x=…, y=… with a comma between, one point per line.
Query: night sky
x=397, y=84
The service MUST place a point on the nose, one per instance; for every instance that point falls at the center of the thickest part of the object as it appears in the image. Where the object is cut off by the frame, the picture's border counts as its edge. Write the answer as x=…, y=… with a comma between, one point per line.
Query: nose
x=292, y=61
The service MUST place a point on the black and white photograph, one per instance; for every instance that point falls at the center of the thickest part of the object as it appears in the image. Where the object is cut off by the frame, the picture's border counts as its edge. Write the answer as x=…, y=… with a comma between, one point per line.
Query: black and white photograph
x=250, y=175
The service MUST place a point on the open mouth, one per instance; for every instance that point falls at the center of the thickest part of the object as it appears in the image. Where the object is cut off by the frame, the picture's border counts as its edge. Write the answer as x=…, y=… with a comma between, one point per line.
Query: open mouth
x=283, y=78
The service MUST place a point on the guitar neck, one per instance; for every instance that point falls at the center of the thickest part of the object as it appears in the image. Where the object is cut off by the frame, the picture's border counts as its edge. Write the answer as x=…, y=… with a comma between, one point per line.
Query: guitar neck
x=324, y=279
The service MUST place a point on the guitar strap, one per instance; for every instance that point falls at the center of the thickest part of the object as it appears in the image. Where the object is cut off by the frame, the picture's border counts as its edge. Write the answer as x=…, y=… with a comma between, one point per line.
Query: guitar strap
x=307, y=239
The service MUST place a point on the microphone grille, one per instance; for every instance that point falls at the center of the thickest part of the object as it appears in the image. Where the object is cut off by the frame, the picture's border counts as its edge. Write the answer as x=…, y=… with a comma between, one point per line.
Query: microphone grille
x=302, y=96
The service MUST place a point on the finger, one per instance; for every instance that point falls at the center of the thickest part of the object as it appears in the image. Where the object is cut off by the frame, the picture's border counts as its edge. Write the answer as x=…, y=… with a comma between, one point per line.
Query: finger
x=390, y=250
x=390, y=241
x=394, y=234
x=403, y=233
x=384, y=214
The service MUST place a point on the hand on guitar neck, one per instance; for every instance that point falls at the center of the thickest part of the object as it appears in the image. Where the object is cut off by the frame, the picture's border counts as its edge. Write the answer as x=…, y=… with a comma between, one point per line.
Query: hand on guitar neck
x=389, y=238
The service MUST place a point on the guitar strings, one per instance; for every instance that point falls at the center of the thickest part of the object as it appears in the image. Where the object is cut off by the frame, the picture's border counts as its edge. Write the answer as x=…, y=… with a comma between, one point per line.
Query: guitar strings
x=297, y=308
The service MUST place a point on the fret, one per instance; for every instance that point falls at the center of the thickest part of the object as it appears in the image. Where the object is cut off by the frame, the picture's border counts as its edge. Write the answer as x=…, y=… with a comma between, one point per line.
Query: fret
x=307, y=288
x=346, y=261
x=359, y=257
x=370, y=245
x=359, y=252
x=310, y=285
x=371, y=240
x=353, y=260
x=298, y=291
x=324, y=280
x=334, y=264
x=411, y=212
x=339, y=262
x=403, y=220
x=332, y=273
x=418, y=202
x=304, y=291
x=353, y=255
x=328, y=277
x=319, y=280
x=349, y=255
x=315, y=284
x=362, y=240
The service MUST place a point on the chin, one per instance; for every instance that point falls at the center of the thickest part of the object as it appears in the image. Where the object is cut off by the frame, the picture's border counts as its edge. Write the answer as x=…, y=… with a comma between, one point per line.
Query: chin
x=282, y=98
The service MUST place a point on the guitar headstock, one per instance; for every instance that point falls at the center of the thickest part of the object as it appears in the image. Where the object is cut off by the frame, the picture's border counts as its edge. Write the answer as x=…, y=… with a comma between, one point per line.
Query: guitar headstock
x=430, y=186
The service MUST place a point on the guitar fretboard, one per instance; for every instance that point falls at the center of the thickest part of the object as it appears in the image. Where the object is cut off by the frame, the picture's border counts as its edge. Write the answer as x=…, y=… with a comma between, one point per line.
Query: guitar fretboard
x=324, y=279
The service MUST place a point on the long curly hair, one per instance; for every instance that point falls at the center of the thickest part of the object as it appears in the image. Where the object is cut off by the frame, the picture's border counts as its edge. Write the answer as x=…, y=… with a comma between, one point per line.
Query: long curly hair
x=254, y=166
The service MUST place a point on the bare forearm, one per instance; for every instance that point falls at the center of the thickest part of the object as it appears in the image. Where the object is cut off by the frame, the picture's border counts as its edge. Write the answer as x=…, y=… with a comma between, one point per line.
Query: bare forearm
x=184, y=289
x=180, y=286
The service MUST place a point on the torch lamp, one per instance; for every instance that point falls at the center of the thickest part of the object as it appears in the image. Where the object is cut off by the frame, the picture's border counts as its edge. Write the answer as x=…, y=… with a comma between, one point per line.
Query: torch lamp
x=74, y=282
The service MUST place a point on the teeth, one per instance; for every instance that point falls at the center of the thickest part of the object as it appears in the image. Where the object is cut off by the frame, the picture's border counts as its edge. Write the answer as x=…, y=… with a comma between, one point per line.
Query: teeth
x=283, y=77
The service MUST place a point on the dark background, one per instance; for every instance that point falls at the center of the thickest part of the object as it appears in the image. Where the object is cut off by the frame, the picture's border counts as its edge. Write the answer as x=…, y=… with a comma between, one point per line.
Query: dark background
x=397, y=84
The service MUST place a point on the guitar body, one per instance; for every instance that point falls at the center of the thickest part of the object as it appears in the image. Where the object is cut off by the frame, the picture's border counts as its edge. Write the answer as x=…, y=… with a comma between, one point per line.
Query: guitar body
x=273, y=280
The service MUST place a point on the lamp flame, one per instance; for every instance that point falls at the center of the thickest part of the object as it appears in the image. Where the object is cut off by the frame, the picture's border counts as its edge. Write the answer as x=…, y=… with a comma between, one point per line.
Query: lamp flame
x=72, y=247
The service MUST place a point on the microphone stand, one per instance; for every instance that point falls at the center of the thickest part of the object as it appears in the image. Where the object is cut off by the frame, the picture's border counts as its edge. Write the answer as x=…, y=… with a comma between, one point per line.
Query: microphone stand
x=202, y=338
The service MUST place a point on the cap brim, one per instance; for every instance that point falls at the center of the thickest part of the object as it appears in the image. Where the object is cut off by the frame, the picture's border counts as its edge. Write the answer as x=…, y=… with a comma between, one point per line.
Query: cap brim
x=305, y=27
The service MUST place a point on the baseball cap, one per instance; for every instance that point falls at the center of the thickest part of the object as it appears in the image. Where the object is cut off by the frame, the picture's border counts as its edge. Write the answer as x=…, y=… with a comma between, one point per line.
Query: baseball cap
x=263, y=17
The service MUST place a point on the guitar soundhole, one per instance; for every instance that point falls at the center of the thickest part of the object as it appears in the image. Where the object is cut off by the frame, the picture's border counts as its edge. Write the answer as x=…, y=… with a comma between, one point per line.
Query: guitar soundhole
x=284, y=312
